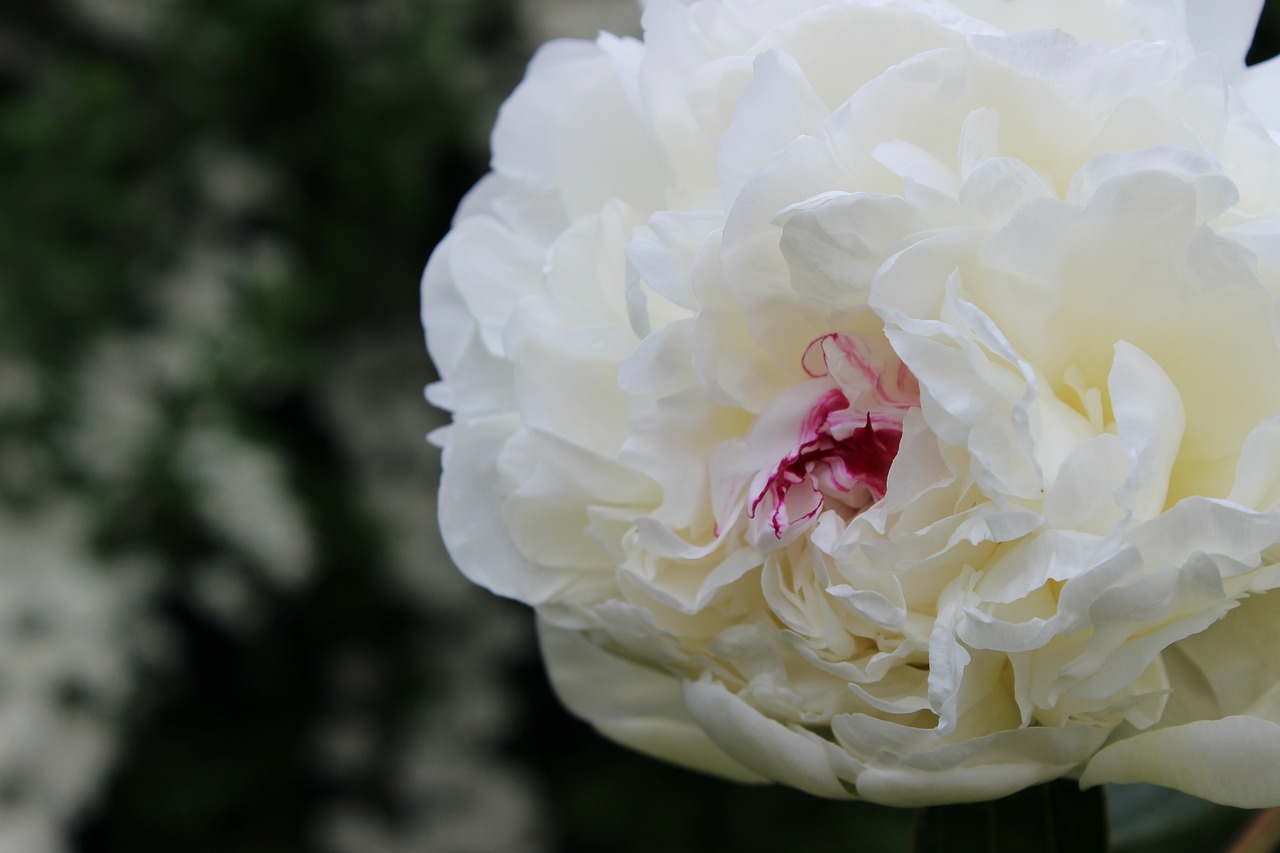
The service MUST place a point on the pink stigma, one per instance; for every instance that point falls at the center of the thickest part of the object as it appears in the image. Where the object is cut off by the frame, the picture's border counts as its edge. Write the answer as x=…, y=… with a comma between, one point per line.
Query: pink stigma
x=844, y=449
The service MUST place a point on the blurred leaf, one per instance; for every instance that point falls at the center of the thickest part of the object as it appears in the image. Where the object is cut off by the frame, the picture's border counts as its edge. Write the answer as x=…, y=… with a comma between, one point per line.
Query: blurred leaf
x=1148, y=818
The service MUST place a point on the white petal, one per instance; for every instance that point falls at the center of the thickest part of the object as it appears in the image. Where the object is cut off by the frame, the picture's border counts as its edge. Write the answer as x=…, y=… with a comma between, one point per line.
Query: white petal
x=1150, y=419
x=995, y=189
x=470, y=488
x=1224, y=28
x=1237, y=656
x=1215, y=193
x=1260, y=86
x=559, y=486
x=476, y=382
x=835, y=242
x=1231, y=761
x=494, y=267
x=911, y=162
x=567, y=379
x=1082, y=496
x=842, y=46
x=776, y=108
x=1258, y=471
x=637, y=706
x=789, y=755
x=915, y=767
x=688, y=590
x=570, y=127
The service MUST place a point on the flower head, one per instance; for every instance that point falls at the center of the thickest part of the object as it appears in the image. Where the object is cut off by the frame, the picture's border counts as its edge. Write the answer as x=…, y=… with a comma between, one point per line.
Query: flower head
x=879, y=396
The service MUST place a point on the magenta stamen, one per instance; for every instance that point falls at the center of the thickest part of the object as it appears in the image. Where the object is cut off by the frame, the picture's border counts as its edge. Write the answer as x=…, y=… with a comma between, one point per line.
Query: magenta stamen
x=843, y=452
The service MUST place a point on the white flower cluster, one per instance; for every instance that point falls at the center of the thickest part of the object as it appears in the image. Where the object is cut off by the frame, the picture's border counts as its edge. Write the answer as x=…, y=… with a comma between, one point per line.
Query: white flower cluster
x=71, y=628
x=880, y=396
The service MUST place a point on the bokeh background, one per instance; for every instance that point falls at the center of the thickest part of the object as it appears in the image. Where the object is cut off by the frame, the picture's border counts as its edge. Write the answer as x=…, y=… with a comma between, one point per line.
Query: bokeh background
x=227, y=622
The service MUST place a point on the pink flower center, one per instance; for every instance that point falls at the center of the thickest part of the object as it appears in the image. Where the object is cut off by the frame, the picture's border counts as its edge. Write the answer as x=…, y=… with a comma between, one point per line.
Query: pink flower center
x=837, y=465
x=847, y=442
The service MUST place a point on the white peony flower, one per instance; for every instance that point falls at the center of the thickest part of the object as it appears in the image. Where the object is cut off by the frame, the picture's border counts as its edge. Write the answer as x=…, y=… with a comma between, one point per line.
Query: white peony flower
x=880, y=396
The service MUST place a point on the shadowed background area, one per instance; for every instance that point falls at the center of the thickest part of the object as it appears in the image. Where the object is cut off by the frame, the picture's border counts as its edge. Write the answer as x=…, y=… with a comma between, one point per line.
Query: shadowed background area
x=227, y=622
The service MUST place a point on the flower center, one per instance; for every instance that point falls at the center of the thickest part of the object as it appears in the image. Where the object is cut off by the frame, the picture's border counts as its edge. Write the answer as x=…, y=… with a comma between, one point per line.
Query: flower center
x=845, y=443
x=839, y=464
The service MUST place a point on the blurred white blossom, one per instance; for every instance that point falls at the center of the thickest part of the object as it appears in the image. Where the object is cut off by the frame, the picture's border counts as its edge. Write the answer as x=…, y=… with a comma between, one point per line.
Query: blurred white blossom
x=73, y=629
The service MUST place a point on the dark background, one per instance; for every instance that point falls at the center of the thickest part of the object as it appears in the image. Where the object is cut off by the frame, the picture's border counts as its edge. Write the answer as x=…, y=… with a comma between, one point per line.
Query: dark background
x=213, y=217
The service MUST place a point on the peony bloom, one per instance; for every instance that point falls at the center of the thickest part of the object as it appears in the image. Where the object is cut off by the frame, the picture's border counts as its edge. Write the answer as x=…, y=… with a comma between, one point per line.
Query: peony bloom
x=882, y=397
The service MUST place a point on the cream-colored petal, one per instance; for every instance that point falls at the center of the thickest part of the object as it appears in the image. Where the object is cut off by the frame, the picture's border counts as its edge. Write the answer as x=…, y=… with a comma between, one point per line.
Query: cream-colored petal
x=786, y=754
x=1232, y=761
x=636, y=706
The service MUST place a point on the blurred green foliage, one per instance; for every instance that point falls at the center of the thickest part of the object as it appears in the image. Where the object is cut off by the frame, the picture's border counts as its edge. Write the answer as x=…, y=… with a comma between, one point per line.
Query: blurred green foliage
x=335, y=138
